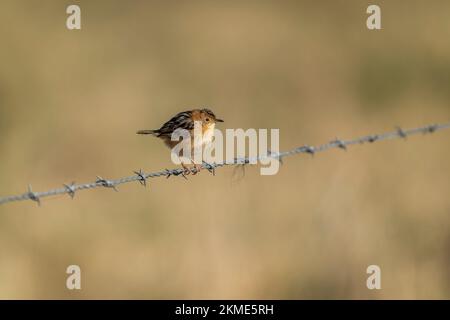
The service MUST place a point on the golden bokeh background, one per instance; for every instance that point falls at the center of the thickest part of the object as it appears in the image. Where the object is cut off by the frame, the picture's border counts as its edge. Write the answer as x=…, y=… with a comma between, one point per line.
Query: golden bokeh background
x=71, y=101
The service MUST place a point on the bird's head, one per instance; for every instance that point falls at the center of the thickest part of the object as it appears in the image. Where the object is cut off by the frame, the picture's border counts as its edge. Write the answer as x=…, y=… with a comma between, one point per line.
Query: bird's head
x=208, y=117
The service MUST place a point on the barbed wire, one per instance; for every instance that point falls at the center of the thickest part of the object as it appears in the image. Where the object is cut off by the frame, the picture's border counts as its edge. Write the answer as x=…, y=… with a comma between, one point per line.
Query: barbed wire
x=142, y=177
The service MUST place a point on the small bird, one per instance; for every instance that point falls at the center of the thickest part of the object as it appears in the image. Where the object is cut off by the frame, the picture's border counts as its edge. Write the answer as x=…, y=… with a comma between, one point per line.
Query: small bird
x=185, y=120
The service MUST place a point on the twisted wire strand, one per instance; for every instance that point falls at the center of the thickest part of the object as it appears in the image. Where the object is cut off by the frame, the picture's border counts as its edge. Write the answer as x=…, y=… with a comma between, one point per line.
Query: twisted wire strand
x=142, y=177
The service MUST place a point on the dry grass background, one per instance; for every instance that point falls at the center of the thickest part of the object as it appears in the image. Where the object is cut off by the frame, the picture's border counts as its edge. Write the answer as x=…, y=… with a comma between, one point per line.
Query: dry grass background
x=71, y=101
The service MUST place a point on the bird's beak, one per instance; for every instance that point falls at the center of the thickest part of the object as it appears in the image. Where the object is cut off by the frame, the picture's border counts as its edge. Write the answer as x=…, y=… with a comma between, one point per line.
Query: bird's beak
x=219, y=120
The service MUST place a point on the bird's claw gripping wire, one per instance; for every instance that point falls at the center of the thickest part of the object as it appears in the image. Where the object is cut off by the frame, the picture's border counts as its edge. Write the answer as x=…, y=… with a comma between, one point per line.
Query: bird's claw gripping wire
x=179, y=172
x=185, y=171
x=182, y=173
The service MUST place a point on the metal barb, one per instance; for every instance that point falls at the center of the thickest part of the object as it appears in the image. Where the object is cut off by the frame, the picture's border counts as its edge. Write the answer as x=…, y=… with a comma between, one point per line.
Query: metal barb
x=70, y=189
x=142, y=179
x=106, y=183
x=33, y=195
x=210, y=167
x=432, y=128
x=238, y=162
x=372, y=138
x=401, y=133
x=340, y=144
x=177, y=173
x=309, y=149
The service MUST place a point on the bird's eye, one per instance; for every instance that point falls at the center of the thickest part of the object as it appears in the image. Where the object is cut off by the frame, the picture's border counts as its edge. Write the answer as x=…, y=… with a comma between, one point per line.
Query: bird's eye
x=207, y=119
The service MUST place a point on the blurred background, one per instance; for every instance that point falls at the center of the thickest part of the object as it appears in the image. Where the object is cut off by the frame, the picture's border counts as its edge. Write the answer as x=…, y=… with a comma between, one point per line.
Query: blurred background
x=71, y=101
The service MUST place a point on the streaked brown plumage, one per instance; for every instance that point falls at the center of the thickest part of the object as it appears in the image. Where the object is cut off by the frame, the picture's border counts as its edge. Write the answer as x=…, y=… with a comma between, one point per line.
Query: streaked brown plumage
x=185, y=120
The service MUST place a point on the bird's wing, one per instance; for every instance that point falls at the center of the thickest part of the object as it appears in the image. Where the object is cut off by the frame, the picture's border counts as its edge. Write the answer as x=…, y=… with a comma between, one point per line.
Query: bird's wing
x=182, y=120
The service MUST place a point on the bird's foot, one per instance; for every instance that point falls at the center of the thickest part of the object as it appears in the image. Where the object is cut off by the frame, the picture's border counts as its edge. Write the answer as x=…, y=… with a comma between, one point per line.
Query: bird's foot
x=196, y=168
x=186, y=170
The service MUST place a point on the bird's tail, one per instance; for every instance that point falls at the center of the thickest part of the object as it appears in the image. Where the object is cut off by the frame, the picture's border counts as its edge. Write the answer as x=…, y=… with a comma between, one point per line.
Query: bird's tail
x=153, y=132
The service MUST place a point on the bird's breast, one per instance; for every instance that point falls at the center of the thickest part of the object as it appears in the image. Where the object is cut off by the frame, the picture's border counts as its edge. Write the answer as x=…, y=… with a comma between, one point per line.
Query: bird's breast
x=208, y=133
